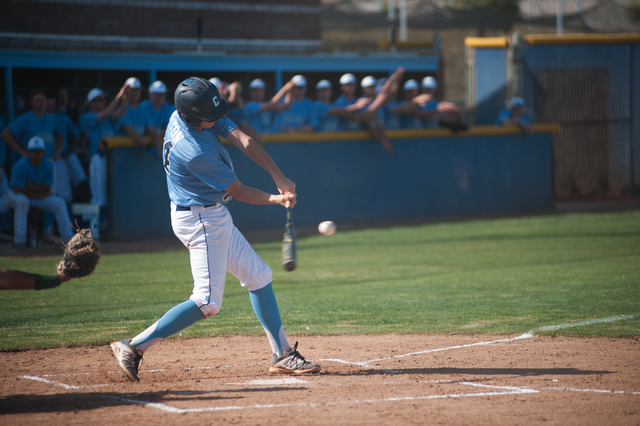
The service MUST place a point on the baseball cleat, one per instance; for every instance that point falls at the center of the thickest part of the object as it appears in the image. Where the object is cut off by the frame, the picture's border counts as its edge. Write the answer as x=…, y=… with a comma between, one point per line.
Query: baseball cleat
x=128, y=359
x=291, y=362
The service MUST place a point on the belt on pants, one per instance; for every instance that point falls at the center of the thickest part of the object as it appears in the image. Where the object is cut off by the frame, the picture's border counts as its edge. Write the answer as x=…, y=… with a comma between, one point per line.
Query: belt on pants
x=186, y=209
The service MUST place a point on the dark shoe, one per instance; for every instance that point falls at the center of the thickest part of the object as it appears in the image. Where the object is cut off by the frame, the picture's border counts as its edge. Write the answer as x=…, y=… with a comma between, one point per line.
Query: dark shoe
x=291, y=362
x=128, y=359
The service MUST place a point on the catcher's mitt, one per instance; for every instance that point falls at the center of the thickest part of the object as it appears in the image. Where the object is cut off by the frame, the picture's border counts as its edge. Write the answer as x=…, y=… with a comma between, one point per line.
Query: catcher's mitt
x=81, y=255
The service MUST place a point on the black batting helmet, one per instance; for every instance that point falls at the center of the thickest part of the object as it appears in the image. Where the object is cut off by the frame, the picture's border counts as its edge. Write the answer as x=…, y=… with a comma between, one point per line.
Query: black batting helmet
x=197, y=100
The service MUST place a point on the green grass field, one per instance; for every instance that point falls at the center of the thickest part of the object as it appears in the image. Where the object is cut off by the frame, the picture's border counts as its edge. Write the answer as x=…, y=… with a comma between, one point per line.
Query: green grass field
x=500, y=276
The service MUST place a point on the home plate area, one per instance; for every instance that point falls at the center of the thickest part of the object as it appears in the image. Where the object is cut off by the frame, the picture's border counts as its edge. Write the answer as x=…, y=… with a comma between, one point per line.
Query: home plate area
x=392, y=379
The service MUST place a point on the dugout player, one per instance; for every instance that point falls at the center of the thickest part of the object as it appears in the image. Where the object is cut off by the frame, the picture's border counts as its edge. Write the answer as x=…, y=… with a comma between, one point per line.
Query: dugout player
x=201, y=180
x=515, y=115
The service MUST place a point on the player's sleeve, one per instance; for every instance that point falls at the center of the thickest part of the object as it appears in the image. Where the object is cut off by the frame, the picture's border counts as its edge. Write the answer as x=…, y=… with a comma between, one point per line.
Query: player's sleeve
x=503, y=114
x=19, y=126
x=524, y=119
x=213, y=171
x=224, y=126
x=18, y=176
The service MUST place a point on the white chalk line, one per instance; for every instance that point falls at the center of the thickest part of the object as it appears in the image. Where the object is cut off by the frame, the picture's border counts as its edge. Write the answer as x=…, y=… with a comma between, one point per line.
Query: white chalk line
x=509, y=389
x=589, y=390
x=56, y=383
x=506, y=390
x=526, y=335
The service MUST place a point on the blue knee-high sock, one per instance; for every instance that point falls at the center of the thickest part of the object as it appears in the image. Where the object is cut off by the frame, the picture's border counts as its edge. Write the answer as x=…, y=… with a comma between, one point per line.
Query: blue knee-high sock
x=266, y=309
x=176, y=319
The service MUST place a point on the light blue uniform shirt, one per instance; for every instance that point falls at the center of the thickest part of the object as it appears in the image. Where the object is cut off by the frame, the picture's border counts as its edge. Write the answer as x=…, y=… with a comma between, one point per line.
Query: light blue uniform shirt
x=24, y=172
x=345, y=123
x=29, y=125
x=136, y=118
x=300, y=113
x=198, y=167
x=67, y=128
x=259, y=121
x=409, y=121
x=96, y=130
x=159, y=119
x=391, y=121
x=433, y=121
x=326, y=121
x=506, y=113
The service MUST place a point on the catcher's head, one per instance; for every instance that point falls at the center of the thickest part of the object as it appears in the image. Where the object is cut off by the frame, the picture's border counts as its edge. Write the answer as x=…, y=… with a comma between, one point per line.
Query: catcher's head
x=198, y=100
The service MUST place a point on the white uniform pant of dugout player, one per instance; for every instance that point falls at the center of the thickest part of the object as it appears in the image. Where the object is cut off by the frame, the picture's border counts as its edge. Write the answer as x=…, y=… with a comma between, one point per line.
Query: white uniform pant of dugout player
x=215, y=247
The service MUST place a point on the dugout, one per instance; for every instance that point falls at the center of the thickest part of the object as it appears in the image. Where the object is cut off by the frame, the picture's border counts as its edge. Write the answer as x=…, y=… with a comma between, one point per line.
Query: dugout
x=82, y=71
x=588, y=83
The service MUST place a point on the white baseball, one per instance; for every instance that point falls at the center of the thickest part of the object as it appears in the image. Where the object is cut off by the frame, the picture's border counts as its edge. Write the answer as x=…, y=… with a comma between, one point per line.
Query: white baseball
x=327, y=228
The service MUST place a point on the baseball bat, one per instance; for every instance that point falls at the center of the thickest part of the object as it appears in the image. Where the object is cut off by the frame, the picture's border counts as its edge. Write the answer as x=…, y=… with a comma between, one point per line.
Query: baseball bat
x=289, y=255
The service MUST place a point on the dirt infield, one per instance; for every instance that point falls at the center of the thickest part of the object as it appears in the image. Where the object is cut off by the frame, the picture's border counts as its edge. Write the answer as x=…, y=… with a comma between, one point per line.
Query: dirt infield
x=372, y=380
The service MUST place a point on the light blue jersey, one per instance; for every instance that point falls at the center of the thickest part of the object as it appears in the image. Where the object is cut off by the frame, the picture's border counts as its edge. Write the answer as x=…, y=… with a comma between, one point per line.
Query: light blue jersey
x=345, y=123
x=68, y=130
x=24, y=172
x=326, y=122
x=96, y=130
x=410, y=121
x=29, y=125
x=159, y=119
x=392, y=121
x=300, y=113
x=136, y=118
x=259, y=121
x=198, y=167
x=432, y=121
x=506, y=113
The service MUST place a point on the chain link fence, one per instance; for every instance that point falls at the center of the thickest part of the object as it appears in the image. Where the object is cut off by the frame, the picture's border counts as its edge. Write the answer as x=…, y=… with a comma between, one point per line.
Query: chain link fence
x=590, y=86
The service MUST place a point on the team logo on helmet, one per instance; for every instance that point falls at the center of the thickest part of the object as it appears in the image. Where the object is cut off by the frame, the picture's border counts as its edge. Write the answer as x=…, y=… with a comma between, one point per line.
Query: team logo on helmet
x=199, y=100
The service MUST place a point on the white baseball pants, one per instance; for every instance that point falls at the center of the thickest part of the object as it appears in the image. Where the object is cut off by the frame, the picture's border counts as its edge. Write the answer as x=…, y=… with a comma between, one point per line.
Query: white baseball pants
x=98, y=179
x=215, y=247
x=21, y=204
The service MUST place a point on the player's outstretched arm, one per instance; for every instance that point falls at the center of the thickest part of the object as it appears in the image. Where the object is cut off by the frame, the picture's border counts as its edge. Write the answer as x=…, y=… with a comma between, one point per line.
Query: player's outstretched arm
x=381, y=98
x=11, y=279
x=253, y=150
x=250, y=195
x=12, y=143
x=110, y=110
x=274, y=103
x=349, y=110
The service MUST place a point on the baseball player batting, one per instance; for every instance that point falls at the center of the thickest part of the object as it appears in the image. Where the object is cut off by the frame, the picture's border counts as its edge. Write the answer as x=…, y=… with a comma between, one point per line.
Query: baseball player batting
x=201, y=180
